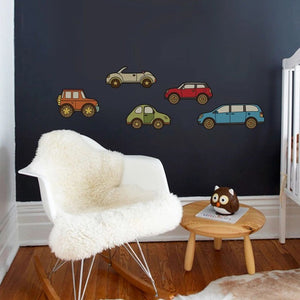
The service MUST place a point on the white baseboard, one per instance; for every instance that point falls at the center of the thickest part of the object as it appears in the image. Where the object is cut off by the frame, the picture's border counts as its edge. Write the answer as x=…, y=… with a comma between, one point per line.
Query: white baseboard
x=34, y=226
x=9, y=243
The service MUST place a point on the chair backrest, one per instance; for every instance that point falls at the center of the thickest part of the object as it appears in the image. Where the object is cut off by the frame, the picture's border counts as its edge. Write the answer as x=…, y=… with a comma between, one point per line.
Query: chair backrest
x=47, y=198
x=46, y=191
x=75, y=172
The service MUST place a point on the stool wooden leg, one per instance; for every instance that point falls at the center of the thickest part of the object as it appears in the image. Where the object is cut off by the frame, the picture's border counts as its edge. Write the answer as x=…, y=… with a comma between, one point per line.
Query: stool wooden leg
x=217, y=243
x=190, y=252
x=249, y=257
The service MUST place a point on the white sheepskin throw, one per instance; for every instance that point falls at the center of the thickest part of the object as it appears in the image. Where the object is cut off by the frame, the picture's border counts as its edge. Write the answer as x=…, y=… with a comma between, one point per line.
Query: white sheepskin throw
x=79, y=174
x=96, y=212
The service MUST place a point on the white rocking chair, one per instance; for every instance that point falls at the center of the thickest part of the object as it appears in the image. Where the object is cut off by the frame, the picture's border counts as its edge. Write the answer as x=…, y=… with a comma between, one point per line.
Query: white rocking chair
x=98, y=199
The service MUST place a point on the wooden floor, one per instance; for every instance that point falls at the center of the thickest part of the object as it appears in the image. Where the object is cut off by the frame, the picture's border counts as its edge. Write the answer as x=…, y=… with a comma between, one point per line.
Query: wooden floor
x=165, y=261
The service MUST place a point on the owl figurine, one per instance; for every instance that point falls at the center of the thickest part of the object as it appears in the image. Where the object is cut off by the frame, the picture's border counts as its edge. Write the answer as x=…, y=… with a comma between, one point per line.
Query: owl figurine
x=224, y=201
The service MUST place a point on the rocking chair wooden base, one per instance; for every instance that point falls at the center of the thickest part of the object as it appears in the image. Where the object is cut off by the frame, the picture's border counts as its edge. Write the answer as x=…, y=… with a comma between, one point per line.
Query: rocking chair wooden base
x=46, y=284
x=137, y=281
x=129, y=276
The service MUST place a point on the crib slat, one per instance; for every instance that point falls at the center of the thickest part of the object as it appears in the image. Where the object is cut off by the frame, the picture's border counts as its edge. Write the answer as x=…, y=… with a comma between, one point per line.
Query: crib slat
x=296, y=129
x=290, y=118
x=284, y=121
x=283, y=156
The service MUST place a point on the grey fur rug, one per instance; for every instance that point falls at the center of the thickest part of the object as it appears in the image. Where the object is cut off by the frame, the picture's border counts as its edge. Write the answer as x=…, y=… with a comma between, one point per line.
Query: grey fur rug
x=272, y=285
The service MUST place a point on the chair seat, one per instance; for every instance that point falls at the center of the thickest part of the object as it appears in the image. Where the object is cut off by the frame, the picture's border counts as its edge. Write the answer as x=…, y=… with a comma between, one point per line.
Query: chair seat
x=95, y=199
x=137, y=213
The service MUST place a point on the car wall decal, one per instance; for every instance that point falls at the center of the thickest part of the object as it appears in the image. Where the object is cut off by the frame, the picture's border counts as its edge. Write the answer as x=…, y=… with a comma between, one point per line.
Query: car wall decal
x=145, y=78
x=146, y=114
x=71, y=100
x=248, y=114
x=189, y=90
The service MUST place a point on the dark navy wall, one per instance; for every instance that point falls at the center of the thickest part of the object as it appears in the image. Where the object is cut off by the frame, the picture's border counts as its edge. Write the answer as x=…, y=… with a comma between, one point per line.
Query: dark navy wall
x=235, y=46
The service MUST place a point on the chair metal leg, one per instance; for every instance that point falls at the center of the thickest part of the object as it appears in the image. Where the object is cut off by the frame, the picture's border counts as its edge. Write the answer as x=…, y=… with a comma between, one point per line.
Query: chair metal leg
x=49, y=290
x=80, y=294
x=73, y=279
x=142, y=264
x=59, y=263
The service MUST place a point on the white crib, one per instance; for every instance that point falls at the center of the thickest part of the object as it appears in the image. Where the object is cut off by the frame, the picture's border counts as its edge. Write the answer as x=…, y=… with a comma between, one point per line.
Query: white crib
x=290, y=127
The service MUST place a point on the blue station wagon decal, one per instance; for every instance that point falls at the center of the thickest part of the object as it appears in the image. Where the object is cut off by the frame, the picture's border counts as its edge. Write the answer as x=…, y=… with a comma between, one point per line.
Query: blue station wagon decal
x=248, y=114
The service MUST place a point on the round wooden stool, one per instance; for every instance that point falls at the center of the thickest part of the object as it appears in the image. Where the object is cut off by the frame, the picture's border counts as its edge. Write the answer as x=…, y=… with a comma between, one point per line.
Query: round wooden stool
x=249, y=223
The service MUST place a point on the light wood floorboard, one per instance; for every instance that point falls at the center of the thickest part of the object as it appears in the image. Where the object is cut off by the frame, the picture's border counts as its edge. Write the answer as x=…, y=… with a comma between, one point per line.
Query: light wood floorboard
x=165, y=261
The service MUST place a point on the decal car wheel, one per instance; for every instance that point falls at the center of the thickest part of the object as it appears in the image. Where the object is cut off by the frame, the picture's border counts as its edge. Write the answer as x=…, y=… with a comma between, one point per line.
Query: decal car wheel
x=251, y=123
x=58, y=99
x=115, y=83
x=158, y=123
x=88, y=110
x=202, y=99
x=146, y=83
x=66, y=110
x=209, y=123
x=174, y=98
x=136, y=123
